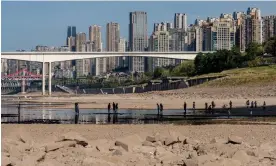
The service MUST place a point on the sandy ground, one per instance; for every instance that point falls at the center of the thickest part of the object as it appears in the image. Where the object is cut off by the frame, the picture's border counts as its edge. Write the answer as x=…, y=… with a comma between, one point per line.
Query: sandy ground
x=207, y=145
x=172, y=99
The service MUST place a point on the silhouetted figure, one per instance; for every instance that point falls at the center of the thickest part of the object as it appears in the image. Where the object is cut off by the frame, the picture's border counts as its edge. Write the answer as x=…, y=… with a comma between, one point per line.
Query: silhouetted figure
x=255, y=103
x=252, y=104
x=213, y=104
x=230, y=105
x=206, y=107
x=247, y=103
x=264, y=106
x=113, y=106
x=210, y=109
x=185, y=108
x=108, y=107
x=158, y=109
x=116, y=107
x=161, y=110
x=194, y=107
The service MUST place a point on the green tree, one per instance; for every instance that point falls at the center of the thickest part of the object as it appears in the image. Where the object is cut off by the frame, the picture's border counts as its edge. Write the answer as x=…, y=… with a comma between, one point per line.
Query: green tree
x=253, y=50
x=270, y=46
x=158, y=72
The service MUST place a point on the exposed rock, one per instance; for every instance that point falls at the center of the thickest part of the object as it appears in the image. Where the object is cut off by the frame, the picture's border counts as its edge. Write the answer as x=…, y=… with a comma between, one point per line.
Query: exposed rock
x=129, y=142
x=147, y=143
x=73, y=136
x=117, y=153
x=145, y=150
x=234, y=140
x=154, y=138
x=218, y=140
x=190, y=141
x=170, y=141
x=268, y=146
x=241, y=156
x=190, y=162
x=57, y=145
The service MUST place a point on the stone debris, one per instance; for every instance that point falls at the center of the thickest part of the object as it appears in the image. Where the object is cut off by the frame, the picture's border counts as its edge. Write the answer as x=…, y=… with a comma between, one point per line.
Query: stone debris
x=156, y=150
x=234, y=140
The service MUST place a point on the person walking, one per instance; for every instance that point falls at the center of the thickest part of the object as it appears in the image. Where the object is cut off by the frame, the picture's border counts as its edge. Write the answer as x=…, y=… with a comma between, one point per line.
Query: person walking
x=230, y=105
x=194, y=107
x=158, y=109
x=161, y=110
x=247, y=103
x=108, y=107
x=255, y=104
x=252, y=104
x=185, y=108
x=114, y=106
x=206, y=107
x=264, y=106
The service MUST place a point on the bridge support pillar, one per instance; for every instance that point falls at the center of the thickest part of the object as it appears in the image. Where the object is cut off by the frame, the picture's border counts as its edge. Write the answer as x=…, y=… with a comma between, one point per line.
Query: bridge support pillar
x=43, y=78
x=23, y=86
x=50, y=80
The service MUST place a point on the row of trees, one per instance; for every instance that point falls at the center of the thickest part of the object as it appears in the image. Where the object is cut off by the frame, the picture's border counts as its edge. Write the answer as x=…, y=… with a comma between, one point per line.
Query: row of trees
x=221, y=60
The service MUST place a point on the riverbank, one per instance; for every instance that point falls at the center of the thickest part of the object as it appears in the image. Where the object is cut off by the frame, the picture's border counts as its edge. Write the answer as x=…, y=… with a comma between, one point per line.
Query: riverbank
x=126, y=144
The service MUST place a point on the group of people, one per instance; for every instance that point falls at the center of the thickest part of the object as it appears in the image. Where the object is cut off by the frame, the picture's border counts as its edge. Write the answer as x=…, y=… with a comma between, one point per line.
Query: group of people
x=114, y=107
x=160, y=110
x=254, y=104
x=115, y=111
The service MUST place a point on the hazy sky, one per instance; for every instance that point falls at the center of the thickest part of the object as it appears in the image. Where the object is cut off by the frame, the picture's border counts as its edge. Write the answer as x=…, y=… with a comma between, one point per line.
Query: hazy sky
x=27, y=24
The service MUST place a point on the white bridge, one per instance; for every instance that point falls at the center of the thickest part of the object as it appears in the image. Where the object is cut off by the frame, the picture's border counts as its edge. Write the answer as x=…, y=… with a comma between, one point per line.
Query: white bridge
x=48, y=57
x=66, y=56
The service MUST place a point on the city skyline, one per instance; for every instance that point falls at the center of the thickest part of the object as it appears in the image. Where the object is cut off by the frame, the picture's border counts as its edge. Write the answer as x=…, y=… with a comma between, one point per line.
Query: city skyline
x=50, y=29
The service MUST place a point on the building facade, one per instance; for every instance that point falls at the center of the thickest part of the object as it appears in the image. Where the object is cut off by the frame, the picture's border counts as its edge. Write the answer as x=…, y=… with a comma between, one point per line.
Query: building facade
x=180, y=21
x=112, y=44
x=138, y=39
x=159, y=42
x=269, y=27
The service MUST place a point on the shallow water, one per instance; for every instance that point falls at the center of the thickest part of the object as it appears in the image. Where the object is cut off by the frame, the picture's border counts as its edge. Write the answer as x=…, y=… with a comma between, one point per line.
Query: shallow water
x=124, y=116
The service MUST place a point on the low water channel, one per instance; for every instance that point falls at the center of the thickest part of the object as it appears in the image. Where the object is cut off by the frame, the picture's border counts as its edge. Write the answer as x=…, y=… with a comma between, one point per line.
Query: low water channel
x=42, y=114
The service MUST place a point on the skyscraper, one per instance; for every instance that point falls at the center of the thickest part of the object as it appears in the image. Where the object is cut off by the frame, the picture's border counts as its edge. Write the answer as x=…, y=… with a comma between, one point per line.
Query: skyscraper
x=95, y=37
x=195, y=39
x=253, y=26
x=159, y=42
x=180, y=21
x=71, y=31
x=269, y=27
x=112, y=44
x=82, y=65
x=223, y=35
x=138, y=39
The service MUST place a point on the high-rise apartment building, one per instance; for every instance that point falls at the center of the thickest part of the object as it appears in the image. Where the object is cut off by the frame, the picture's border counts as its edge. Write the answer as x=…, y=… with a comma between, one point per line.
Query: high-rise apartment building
x=71, y=31
x=112, y=44
x=98, y=64
x=223, y=35
x=180, y=21
x=177, y=40
x=253, y=25
x=159, y=42
x=162, y=26
x=138, y=39
x=269, y=27
x=195, y=39
x=123, y=61
x=82, y=65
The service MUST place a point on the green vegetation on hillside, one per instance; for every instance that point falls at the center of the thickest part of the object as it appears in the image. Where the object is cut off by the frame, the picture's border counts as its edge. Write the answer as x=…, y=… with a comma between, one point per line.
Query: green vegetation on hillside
x=243, y=76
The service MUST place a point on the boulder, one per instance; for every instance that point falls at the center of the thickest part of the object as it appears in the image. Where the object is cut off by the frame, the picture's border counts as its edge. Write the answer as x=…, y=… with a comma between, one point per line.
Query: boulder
x=73, y=136
x=129, y=142
x=234, y=140
x=171, y=140
x=145, y=150
x=117, y=152
x=241, y=156
x=147, y=143
x=153, y=138
x=218, y=141
x=190, y=162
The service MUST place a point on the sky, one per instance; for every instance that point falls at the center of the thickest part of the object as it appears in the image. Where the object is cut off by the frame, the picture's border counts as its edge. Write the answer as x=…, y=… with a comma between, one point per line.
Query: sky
x=27, y=24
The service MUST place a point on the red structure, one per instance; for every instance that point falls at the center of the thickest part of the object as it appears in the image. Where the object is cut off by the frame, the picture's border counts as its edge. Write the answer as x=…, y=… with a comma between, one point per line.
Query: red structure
x=23, y=74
